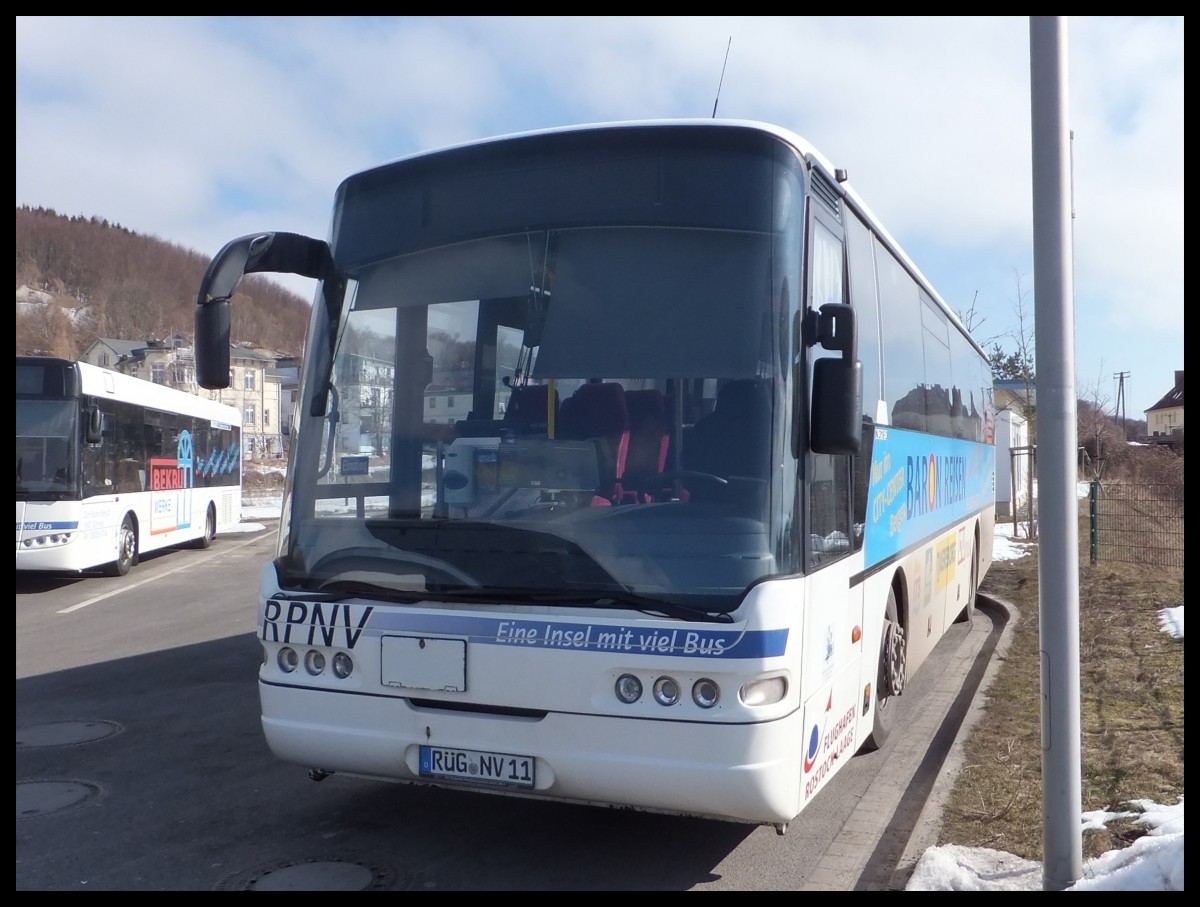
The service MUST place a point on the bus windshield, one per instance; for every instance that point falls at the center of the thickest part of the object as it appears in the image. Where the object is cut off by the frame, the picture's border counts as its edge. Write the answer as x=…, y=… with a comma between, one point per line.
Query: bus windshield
x=46, y=447
x=580, y=411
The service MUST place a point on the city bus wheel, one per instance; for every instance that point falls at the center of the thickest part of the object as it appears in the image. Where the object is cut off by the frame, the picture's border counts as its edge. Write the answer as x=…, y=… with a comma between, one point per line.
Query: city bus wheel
x=210, y=529
x=967, y=614
x=126, y=549
x=889, y=678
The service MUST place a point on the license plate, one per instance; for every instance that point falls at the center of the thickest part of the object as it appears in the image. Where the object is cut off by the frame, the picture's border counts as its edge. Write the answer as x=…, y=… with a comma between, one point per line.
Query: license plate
x=503, y=769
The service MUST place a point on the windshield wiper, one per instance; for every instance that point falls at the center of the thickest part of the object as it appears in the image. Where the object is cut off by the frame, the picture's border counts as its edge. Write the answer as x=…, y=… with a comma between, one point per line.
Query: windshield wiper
x=648, y=605
x=375, y=590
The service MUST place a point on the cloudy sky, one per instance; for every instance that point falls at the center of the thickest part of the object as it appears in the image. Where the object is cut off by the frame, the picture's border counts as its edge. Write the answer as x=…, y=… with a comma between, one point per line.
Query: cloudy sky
x=198, y=130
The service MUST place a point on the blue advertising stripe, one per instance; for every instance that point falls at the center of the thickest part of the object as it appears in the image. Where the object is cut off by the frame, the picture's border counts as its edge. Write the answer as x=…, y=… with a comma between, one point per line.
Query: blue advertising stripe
x=47, y=525
x=877, y=566
x=919, y=485
x=297, y=619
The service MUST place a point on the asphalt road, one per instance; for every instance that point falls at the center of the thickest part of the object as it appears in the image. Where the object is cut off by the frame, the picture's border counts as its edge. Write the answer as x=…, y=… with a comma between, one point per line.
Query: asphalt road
x=141, y=766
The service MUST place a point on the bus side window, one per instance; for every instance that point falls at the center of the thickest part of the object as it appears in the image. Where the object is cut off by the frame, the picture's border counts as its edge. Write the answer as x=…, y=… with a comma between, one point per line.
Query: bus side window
x=829, y=508
x=128, y=479
x=862, y=480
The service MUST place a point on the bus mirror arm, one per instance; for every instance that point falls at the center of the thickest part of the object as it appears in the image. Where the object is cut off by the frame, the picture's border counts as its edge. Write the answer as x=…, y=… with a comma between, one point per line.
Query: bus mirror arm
x=835, y=327
x=281, y=253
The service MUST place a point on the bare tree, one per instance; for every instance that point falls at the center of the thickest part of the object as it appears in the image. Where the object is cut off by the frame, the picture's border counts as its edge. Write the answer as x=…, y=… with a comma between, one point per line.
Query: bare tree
x=46, y=329
x=1102, y=439
x=973, y=320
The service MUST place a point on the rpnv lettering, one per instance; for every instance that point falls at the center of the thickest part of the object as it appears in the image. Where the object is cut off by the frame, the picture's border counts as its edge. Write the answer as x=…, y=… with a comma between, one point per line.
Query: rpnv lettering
x=314, y=623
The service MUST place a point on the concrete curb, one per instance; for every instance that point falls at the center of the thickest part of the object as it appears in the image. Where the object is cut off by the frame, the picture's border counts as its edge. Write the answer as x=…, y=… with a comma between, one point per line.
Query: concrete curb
x=925, y=833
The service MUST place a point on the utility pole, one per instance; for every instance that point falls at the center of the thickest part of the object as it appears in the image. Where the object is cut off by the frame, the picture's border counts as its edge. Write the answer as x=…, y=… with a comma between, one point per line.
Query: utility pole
x=1057, y=434
x=1120, y=412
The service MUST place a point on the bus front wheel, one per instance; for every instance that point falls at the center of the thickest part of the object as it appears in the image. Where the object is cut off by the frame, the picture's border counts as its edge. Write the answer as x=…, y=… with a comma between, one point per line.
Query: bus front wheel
x=889, y=677
x=126, y=549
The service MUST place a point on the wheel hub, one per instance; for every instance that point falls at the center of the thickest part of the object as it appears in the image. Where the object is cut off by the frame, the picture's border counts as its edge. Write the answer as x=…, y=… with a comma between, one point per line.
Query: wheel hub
x=894, y=658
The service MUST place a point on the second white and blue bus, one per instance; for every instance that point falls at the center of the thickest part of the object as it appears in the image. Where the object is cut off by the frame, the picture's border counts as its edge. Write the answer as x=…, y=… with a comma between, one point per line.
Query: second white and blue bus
x=111, y=467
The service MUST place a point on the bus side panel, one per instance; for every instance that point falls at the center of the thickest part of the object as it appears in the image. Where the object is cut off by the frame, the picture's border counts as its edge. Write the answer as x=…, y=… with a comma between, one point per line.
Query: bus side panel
x=831, y=664
x=228, y=502
x=831, y=720
x=924, y=614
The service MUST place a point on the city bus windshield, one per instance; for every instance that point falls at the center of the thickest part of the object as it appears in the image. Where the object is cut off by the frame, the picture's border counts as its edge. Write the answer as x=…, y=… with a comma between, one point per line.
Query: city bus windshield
x=46, y=442
x=573, y=410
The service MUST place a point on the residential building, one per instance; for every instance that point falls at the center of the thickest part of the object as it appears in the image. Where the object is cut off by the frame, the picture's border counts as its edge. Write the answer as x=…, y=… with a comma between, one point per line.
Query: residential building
x=1164, y=420
x=364, y=406
x=255, y=383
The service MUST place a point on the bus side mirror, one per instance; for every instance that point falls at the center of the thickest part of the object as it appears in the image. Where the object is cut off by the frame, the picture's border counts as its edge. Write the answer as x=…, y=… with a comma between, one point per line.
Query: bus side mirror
x=836, y=426
x=281, y=253
x=212, y=344
x=93, y=425
x=836, y=407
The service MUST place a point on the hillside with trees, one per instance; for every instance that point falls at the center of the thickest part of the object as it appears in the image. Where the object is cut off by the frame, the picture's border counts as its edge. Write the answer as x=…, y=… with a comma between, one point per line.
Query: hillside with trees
x=81, y=278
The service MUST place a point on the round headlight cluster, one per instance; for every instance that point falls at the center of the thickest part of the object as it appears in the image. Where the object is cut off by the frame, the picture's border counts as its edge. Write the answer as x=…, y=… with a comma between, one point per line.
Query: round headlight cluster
x=53, y=540
x=668, y=691
x=315, y=662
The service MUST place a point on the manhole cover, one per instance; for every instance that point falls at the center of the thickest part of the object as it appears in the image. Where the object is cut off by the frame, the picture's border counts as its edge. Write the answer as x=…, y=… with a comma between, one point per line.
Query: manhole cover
x=36, y=798
x=315, y=875
x=64, y=733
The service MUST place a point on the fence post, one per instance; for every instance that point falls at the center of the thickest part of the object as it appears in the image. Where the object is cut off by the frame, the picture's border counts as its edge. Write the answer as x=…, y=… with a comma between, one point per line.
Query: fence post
x=1094, y=517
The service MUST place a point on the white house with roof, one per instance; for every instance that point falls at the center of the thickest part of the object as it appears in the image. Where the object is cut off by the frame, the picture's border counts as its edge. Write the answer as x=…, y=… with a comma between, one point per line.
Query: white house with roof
x=1164, y=420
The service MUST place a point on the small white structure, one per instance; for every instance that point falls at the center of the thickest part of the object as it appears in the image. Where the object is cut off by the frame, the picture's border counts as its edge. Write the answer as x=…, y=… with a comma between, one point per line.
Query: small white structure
x=1012, y=462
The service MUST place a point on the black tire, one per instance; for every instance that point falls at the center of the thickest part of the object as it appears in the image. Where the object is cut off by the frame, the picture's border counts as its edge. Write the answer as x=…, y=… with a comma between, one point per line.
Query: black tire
x=127, y=549
x=967, y=614
x=889, y=675
x=210, y=529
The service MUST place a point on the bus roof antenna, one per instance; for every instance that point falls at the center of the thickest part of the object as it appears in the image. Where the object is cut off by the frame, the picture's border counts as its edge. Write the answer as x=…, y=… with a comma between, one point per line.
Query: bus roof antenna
x=717, y=99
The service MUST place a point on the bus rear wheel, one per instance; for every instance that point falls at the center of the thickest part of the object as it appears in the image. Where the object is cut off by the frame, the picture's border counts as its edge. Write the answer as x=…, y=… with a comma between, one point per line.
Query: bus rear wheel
x=126, y=549
x=967, y=614
x=210, y=529
x=889, y=678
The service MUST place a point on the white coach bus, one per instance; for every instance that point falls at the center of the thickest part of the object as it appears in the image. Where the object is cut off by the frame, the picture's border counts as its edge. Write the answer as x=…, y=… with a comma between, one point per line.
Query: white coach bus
x=723, y=474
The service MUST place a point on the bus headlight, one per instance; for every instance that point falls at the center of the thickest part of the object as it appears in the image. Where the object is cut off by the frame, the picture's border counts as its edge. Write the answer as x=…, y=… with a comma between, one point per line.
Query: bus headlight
x=287, y=659
x=666, y=691
x=343, y=665
x=764, y=692
x=706, y=693
x=629, y=688
x=53, y=540
x=314, y=662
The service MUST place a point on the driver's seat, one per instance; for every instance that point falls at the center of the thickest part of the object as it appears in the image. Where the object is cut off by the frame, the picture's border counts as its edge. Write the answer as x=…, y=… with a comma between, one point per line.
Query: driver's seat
x=733, y=441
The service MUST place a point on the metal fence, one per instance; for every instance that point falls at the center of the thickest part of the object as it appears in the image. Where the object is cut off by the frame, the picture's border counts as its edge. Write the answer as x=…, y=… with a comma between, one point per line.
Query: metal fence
x=1141, y=524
